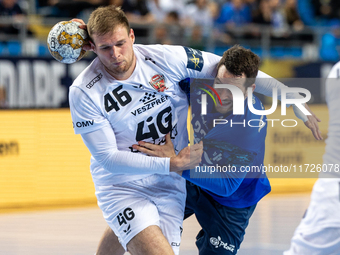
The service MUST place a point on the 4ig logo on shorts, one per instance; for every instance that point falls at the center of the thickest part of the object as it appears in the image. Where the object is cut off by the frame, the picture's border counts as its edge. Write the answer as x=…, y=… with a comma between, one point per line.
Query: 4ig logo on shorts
x=124, y=217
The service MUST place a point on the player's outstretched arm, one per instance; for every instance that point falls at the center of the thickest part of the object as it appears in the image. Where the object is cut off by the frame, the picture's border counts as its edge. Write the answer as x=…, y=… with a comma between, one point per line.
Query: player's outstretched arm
x=265, y=84
x=311, y=121
x=312, y=124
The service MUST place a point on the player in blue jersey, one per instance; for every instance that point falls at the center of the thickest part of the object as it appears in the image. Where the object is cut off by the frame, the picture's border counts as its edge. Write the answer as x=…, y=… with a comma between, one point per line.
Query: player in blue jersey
x=224, y=202
x=224, y=190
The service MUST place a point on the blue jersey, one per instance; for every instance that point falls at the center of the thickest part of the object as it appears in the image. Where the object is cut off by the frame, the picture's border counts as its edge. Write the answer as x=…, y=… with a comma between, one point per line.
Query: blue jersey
x=234, y=149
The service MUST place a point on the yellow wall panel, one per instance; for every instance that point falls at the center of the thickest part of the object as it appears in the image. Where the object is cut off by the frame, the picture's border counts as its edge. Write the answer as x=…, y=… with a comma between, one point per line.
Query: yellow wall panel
x=295, y=148
x=51, y=165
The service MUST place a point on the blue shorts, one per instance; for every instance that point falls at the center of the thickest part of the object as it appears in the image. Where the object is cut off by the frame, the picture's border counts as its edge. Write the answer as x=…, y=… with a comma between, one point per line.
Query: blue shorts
x=223, y=227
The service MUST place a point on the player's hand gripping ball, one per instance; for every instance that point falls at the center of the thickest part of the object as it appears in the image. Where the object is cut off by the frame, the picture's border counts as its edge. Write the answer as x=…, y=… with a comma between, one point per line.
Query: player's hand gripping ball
x=65, y=41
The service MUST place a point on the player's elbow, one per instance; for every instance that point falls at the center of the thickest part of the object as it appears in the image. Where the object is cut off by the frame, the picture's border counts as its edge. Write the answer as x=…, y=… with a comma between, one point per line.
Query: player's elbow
x=108, y=161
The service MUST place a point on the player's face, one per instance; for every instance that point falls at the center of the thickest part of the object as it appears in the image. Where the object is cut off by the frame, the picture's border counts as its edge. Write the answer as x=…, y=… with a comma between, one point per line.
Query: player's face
x=115, y=51
x=224, y=77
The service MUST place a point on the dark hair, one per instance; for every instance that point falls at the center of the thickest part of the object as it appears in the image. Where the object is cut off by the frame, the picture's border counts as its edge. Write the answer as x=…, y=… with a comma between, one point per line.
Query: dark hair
x=239, y=60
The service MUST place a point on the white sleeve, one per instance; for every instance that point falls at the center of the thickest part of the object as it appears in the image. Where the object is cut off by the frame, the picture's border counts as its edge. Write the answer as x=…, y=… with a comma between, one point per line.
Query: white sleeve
x=86, y=117
x=103, y=147
x=191, y=63
x=265, y=84
x=182, y=62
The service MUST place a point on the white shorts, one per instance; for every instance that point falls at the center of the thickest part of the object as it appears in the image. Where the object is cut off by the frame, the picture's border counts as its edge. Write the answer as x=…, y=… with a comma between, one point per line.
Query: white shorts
x=130, y=207
x=319, y=230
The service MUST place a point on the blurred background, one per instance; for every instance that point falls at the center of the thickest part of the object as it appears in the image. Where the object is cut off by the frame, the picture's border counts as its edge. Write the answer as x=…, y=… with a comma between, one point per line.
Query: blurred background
x=47, y=201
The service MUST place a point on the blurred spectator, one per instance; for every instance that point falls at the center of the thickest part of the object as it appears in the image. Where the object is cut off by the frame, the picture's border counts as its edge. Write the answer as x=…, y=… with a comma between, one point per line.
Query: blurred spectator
x=326, y=10
x=137, y=12
x=318, y=12
x=115, y=2
x=322, y=8
x=234, y=13
x=214, y=8
x=306, y=11
x=292, y=15
x=254, y=6
x=161, y=35
x=330, y=43
x=264, y=14
x=156, y=10
x=279, y=24
x=177, y=6
x=271, y=12
x=196, y=40
x=10, y=8
x=160, y=8
x=175, y=28
x=66, y=8
x=199, y=14
x=295, y=23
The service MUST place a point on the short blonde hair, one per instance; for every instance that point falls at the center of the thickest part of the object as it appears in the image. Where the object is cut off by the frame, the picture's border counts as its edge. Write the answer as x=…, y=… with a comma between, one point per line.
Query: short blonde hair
x=104, y=20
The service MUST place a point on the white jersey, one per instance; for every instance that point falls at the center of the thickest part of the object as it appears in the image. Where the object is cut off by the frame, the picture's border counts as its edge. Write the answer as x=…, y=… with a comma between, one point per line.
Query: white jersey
x=332, y=154
x=146, y=106
x=319, y=231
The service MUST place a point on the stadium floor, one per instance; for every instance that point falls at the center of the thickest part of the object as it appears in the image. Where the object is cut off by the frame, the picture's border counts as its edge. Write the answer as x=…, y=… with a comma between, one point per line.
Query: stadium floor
x=77, y=231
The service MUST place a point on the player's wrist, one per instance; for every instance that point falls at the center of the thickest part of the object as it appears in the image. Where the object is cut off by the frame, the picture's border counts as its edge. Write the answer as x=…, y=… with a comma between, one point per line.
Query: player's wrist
x=175, y=164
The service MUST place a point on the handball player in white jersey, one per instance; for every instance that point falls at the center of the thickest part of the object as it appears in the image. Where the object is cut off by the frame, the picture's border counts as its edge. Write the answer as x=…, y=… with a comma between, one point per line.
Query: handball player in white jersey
x=129, y=94
x=319, y=230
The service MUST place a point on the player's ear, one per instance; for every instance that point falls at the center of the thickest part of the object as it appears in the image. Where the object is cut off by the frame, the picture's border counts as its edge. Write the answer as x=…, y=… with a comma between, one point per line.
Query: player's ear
x=253, y=86
x=92, y=46
x=132, y=35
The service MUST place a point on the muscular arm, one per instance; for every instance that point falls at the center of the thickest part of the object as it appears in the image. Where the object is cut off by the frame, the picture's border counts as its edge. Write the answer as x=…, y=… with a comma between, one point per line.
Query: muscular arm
x=265, y=84
x=103, y=147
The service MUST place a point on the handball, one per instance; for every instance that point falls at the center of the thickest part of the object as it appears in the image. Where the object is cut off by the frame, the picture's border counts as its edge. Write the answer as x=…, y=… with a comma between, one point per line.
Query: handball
x=65, y=41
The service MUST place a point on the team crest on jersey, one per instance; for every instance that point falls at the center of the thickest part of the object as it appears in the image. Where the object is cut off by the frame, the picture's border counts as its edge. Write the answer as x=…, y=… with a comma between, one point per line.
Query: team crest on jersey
x=158, y=82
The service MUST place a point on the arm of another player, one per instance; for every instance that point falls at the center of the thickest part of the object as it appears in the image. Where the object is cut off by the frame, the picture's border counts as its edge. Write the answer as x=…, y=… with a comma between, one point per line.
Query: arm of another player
x=312, y=124
x=311, y=121
x=265, y=84
x=187, y=158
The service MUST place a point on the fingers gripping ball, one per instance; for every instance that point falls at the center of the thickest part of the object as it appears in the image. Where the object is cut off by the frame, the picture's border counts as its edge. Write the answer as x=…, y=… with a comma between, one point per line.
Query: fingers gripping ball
x=65, y=42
